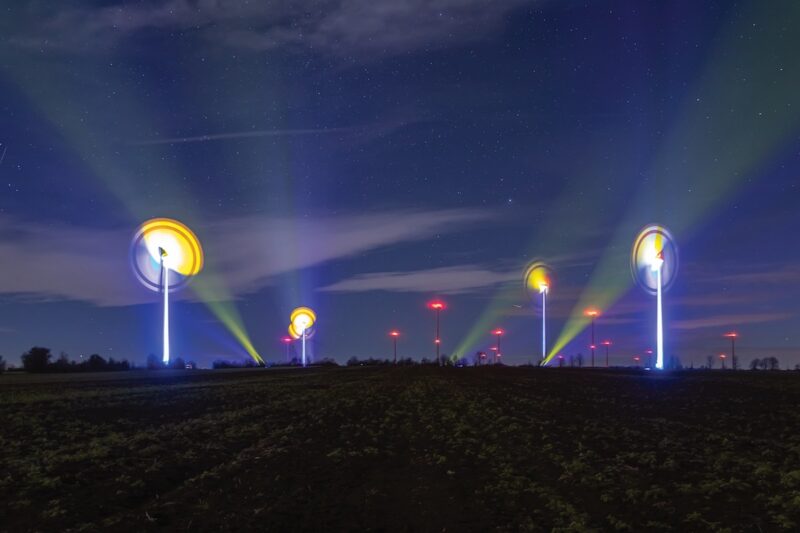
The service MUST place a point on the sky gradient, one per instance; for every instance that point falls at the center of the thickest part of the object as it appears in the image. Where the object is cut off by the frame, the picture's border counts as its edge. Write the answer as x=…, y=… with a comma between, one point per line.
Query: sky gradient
x=364, y=156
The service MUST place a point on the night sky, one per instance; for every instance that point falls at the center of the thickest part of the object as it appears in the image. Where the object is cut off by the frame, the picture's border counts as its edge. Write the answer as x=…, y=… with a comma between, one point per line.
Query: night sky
x=364, y=156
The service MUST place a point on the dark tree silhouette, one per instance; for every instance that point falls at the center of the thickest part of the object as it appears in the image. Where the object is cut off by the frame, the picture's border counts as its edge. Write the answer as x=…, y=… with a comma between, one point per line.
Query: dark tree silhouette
x=153, y=362
x=2, y=364
x=710, y=361
x=36, y=359
x=96, y=363
x=755, y=364
x=61, y=364
x=327, y=361
x=674, y=363
x=178, y=364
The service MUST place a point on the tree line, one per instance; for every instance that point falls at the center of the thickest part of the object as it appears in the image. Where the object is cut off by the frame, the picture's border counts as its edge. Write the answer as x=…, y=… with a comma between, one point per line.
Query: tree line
x=767, y=363
x=40, y=360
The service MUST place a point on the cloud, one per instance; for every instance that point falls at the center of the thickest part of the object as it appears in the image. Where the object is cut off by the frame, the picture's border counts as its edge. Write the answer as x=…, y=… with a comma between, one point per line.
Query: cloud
x=752, y=276
x=719, y=321
x=239, y=135
x=767, y=275
x=445, y=280
x=338, y=27
x=54, y=263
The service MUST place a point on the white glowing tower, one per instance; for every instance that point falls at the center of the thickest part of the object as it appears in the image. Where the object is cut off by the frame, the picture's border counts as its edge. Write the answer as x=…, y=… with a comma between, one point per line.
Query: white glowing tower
x=543, y=288
x=165, y=290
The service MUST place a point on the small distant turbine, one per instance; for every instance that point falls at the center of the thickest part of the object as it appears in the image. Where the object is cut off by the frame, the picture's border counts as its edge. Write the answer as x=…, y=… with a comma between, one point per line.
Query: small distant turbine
x=538, y=280
x=438, y=306
x=654, y=265
x=606, y=343
x=287, y=341
x=593, y=314
x=162, y=246
x=732, y=336
x=498, y=333
x=394, y=334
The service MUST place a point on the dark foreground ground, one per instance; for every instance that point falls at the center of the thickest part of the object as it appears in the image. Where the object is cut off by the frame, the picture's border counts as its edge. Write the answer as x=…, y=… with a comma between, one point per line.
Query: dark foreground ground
x=401, y=449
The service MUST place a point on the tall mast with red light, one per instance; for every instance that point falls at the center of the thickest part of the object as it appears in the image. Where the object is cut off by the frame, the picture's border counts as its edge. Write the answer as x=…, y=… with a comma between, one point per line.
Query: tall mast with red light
x=438, y=306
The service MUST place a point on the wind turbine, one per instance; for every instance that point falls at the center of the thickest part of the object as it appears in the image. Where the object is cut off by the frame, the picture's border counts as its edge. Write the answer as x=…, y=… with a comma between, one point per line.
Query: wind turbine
x=301, y=323
x=165, y=255
x=654, y=265
x=538, y=280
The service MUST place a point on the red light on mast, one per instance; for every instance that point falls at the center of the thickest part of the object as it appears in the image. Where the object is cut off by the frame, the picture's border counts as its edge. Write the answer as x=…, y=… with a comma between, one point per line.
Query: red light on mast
x=394, y=333
x=437, y=304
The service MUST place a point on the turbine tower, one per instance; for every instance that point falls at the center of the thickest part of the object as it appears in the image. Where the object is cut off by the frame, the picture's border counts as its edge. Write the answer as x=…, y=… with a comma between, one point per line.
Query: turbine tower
x=165, y=290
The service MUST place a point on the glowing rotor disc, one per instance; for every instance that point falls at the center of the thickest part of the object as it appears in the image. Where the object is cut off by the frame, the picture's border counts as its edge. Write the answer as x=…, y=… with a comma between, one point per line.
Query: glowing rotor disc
x=170, y=241
x=538, y=278
x=293, y=333
x=654, y=249
x=302, y=319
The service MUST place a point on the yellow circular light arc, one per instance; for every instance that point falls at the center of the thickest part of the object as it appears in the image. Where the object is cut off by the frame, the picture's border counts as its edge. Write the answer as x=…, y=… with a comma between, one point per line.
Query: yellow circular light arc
x=182, y=251
x=302, y=319
x=537, y=276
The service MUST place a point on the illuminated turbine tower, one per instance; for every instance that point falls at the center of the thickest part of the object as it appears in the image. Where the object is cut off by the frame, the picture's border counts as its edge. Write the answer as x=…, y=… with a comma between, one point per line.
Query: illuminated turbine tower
x=162, y=246
x=165, y=289
x=543, y=288
x=654, y=264
x=538, y=279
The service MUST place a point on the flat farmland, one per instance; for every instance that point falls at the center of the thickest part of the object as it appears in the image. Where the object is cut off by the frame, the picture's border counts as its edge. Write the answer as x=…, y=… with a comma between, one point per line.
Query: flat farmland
x=407, y=448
